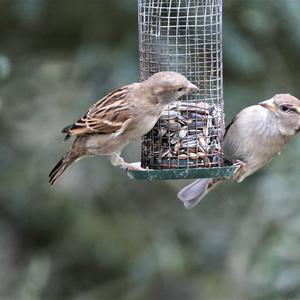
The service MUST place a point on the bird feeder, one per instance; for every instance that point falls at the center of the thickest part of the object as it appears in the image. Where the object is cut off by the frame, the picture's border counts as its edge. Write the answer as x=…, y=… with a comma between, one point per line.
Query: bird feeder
x=184, y=36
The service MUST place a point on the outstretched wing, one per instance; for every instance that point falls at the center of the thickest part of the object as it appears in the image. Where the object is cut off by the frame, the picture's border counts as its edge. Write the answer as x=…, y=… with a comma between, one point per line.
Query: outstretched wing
x=108, y=115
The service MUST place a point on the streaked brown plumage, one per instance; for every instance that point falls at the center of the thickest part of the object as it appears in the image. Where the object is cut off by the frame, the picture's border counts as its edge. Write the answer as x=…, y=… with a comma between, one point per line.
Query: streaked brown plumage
x=252, y=139
x=106, y=116
x=121, y=117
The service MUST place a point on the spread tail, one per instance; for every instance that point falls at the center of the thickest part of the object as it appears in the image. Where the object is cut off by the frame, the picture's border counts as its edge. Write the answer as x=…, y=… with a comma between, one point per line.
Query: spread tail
x=61, y=167
x=192, y=194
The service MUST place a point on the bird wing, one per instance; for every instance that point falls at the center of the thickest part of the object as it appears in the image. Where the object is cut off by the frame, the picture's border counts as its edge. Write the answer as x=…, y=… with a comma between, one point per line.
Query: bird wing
x=230, y=124
x=109, y=115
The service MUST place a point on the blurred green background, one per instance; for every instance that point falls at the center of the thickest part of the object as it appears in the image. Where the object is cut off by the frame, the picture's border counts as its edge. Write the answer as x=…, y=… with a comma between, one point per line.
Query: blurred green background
x=99, y=235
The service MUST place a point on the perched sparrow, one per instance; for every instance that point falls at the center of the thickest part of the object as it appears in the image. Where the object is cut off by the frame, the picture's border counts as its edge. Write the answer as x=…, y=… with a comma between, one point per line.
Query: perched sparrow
x=251, y=140
x=121, y=117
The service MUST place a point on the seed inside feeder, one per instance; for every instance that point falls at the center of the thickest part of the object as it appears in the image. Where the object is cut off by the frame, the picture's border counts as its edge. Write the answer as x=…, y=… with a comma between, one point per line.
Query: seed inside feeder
x=188, y=134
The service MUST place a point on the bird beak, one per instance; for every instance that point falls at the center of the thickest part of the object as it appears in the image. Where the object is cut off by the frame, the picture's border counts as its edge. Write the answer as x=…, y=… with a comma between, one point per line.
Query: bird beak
x=192, y=88
x=269, y=105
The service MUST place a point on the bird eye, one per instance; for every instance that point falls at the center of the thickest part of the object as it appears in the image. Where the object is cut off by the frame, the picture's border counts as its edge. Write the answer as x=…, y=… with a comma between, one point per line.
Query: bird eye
x=180, y=89
x=284, y=108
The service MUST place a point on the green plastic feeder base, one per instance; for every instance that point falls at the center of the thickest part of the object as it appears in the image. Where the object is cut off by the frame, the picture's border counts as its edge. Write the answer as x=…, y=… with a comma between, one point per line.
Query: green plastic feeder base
x=167, y=174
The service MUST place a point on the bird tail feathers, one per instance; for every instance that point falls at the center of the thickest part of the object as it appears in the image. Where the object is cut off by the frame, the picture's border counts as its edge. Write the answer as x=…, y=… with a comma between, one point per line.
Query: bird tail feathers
x=61, y=167
x=192, y=194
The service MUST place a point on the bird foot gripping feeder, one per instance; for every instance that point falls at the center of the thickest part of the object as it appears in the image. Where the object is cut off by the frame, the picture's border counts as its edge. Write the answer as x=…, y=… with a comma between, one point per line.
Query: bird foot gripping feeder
x=184, y=36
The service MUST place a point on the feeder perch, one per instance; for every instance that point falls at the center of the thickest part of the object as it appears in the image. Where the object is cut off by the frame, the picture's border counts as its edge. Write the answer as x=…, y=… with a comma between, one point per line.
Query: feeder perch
x=184, y=36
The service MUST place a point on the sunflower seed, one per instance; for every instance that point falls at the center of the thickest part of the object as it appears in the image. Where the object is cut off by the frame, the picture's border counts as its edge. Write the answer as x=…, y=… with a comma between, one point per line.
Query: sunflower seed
x=183, y=133
x=175, y=139
x=193, y=155
x=177, y=148
x=202, y=141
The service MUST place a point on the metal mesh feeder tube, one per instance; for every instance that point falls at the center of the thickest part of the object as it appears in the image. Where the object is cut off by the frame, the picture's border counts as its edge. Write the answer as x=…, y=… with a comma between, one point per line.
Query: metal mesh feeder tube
x=184, y=36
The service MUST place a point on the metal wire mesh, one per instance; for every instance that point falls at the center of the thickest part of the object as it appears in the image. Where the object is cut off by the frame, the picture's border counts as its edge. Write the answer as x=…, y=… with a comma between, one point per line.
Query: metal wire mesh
x=184, y=36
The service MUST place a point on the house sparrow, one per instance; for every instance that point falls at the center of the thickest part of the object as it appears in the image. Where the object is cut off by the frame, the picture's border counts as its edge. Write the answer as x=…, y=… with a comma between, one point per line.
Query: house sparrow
x=251, y=140
x=121, y=117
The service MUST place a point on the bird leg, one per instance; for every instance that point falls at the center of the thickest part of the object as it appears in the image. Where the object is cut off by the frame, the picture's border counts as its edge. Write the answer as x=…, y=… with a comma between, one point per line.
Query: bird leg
x=118, y=161
x=240, y=170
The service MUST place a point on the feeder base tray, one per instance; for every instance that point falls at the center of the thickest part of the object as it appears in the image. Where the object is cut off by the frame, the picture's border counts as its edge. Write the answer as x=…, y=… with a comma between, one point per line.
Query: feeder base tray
x=166, y=174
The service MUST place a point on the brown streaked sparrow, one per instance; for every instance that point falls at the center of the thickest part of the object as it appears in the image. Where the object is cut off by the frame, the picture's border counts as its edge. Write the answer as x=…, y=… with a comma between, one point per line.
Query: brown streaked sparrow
x=252, y=139
x=121, y=117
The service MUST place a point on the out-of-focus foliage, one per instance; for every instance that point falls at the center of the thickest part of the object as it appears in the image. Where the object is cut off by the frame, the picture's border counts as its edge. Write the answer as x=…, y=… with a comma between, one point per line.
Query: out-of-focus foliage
x=99, y=235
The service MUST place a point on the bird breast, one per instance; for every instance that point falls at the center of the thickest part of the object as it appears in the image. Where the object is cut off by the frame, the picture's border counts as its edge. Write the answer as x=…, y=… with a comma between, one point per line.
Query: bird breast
x=253, y=138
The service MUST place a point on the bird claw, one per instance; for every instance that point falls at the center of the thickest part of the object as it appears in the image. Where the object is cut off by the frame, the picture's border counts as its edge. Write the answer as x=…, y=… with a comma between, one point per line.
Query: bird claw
x=134, y=167
x=240, y=170
x=238, y=163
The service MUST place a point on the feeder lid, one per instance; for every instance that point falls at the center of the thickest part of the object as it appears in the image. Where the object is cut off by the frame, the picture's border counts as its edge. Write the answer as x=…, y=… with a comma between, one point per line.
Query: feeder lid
x=166, y=174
